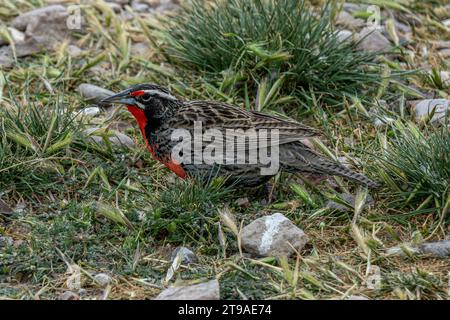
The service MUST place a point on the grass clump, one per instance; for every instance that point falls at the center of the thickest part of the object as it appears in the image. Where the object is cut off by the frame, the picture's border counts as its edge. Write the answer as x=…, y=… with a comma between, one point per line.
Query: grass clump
x=269, y=45
x=34, y=139
x=417, y=165
x=186, y=211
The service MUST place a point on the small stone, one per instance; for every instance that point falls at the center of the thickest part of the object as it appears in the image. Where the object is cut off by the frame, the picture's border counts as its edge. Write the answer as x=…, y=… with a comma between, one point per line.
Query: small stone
x=74, y=51
x=344, y=35
x=102, y=279
x=423, y=108
x=117, y=139
x=166, y=5
x=28, y=48
x=350, y=199
x=403, y=250
x=243, y=202
x=16, y=35
x=21, y=22
x=357, y=298
x=382, y=121
x=187, y=256
x=404, y=28
x=139, y=6
x=352, y=7
x=445, y=77
x=93, y=93
x=372, y=40
x=271, y=236
x=202, y=291
x=82, y=292
x=440, y=249
x=5, y=209
x=91, y=111
x=69, y=295
x=445, y=53
x=6, y=57
x=348, y=21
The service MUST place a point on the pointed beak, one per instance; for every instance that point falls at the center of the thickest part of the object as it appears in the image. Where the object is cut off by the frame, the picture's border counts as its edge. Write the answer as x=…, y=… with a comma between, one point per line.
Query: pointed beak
x=121, y=98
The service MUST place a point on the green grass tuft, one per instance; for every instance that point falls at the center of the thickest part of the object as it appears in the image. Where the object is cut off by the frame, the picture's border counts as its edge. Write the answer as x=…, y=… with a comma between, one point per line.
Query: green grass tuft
x=254, y=42
x=417, y=164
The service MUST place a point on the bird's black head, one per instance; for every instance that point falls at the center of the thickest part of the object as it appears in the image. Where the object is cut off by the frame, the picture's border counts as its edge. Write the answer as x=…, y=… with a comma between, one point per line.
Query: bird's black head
x=154, y=100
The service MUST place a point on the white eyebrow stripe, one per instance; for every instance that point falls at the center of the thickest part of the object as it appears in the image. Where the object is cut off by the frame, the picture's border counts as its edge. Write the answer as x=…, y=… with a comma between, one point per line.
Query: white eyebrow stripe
x=161, y=94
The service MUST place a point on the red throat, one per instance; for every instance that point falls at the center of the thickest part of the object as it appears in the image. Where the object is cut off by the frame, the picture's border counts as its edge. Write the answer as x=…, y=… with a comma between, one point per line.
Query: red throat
x=141, y=118
x=139, y=114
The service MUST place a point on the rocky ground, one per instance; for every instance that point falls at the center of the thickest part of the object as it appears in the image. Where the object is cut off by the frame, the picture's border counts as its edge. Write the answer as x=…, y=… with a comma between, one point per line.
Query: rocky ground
x=85, y=213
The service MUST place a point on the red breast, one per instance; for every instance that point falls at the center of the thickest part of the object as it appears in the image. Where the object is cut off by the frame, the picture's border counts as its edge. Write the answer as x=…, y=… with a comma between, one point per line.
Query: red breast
x=139, y=114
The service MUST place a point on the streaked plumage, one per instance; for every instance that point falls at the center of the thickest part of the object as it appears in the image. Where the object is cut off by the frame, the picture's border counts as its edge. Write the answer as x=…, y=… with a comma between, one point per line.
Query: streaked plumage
x=159, y=113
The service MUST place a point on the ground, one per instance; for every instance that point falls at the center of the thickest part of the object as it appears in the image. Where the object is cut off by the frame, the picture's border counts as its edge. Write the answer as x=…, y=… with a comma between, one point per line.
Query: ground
x=72, y=208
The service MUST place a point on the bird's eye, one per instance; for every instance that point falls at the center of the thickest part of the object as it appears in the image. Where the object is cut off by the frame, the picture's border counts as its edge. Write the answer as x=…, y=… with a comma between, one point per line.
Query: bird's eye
x=146, y=97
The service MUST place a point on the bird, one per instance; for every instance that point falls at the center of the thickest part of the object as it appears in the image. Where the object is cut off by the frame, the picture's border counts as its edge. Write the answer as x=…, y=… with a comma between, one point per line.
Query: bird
x=160, y=115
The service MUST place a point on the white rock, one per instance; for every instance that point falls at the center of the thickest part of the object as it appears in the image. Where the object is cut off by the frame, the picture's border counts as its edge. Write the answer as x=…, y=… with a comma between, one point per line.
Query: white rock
x=74, y=51
x=6, y=57
x=187, y=256
x=102, y=279
x=347, y=20
x=344, y=35
x=402, y=250
x=440, y=249
x=271, y=236
x=446, y=23
x=16, y=35
x=357, y=298
x=91, y=111
x=423, y=108
x=445, y=77
x=202, y=291
x=352, y=7
x=139, y=6
x=116, y=138
x=21, y=22
x=93, y=93
x=372, y=40
x=382, y=121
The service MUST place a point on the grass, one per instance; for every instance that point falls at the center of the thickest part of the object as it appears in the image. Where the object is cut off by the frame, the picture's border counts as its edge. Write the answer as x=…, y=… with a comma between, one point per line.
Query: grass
x=270, y=46
x=415, y=165
x=33, y=137
x=79, y=208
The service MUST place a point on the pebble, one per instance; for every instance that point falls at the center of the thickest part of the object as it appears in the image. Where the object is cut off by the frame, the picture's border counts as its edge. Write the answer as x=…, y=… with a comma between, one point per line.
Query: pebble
x=202, y=291
x=271, y=235
x=188, y=256
x=372, y=40
x=102, y=279
x=423, y=108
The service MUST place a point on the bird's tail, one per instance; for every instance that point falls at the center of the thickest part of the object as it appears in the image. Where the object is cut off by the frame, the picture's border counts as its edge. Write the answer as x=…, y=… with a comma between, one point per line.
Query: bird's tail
x=313, y=162
x=332, y=168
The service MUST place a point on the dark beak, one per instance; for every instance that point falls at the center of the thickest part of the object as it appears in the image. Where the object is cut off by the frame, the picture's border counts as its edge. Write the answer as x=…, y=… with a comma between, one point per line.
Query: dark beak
x=121, y=97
